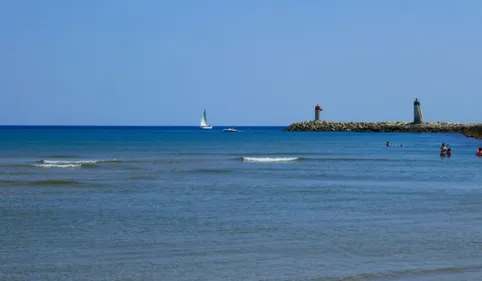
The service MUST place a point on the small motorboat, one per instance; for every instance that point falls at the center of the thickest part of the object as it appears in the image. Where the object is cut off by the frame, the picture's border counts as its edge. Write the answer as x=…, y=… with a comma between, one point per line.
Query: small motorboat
x=230, y=130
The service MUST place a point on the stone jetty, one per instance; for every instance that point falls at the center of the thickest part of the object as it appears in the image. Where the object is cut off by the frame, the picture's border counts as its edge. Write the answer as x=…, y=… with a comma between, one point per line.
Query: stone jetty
x=474, y=131
x=471, y=130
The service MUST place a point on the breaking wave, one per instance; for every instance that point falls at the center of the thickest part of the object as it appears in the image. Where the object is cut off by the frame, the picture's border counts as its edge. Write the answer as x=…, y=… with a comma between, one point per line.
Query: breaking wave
x=270, y=159
x=76, y=161
x=57, y=165
x=70, y=163
x=323, y=159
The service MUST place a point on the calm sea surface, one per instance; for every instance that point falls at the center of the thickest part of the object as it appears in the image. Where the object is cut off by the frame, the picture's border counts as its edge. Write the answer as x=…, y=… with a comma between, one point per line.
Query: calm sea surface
x=110, y=203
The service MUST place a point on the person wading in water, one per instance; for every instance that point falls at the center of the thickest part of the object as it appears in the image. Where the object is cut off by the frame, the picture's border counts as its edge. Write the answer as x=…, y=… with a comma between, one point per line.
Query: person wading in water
x=443, y=150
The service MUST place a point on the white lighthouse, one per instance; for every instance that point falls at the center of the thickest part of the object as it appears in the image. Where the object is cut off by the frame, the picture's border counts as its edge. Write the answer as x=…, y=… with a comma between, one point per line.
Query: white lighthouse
x=417, y=112
x=318, y=110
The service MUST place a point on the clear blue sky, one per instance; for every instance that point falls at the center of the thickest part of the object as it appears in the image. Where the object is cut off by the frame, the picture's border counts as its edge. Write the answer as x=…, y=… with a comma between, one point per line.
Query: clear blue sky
x=154, y=62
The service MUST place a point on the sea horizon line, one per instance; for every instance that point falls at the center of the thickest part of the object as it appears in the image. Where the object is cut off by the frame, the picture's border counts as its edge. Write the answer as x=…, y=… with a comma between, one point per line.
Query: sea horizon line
x=148, y=126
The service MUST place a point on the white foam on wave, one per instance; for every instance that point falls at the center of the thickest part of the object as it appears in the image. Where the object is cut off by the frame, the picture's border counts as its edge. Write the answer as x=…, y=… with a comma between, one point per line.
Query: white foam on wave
x=75, y=161
x=57, y=165
x=270, y=159
x=68, y=163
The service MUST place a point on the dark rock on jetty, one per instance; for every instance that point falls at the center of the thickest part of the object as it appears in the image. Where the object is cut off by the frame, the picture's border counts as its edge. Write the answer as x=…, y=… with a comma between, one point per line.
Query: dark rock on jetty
x=474, y=131
x=428, y=127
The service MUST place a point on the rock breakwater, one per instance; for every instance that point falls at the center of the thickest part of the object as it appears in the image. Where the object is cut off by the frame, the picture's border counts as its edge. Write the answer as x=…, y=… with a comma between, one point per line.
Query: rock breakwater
x=428, y=127
x=473, y=131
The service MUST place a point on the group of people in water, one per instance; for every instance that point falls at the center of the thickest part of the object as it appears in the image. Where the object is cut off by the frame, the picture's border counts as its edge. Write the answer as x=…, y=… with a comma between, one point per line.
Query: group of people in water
x=446, y=151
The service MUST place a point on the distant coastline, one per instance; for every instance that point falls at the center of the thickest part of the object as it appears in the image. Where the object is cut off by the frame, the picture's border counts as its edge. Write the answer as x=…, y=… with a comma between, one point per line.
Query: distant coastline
x=469, y=130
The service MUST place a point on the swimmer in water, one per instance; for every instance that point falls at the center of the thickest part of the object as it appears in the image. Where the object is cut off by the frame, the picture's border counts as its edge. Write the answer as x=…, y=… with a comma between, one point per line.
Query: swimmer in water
x=443, y=150
x=388, y=143
x=449, y=152
x=479, y=152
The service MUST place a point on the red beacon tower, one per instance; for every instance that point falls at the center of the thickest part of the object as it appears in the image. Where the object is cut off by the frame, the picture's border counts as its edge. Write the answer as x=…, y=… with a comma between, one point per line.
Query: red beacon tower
x=318, y=109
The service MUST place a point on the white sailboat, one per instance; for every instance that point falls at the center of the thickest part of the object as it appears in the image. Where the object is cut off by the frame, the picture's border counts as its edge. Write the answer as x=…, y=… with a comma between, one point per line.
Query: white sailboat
x=204, y=122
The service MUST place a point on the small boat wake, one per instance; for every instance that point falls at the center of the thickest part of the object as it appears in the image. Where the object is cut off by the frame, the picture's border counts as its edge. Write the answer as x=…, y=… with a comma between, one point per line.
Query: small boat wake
x=270, y=159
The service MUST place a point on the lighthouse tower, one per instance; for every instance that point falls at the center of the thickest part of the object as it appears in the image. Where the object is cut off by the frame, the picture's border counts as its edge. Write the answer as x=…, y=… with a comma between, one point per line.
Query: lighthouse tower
x=317, y=112
x=417, y=112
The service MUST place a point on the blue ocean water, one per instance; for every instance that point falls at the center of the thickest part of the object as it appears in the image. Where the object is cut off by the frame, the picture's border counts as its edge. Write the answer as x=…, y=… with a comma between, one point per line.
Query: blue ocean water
x=179, y=203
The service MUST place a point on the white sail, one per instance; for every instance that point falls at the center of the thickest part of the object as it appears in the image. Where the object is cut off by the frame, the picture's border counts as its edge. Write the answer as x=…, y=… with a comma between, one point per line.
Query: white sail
x=204, y=121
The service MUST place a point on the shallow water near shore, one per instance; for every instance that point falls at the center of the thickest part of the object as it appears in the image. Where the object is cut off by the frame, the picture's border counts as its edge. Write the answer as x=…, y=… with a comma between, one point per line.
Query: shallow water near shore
x=174, y=203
